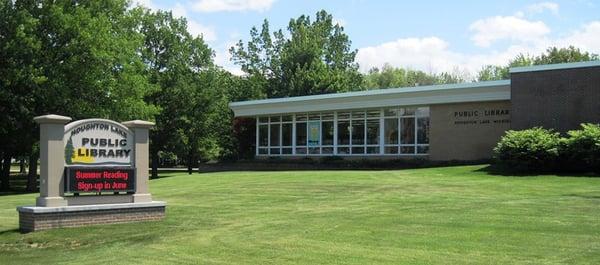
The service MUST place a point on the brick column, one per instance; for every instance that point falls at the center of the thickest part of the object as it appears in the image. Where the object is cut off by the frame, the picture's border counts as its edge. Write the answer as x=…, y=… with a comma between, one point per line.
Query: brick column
x=140, y=134
x=52, y=160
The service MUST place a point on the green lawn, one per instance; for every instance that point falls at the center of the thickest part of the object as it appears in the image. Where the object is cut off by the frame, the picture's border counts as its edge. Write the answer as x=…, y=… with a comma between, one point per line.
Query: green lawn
x=451, y=215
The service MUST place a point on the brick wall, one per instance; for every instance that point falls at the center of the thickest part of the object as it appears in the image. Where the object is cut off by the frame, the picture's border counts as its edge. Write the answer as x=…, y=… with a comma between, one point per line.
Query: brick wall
x=559, y=99
x=467, y=131
x=29, y=221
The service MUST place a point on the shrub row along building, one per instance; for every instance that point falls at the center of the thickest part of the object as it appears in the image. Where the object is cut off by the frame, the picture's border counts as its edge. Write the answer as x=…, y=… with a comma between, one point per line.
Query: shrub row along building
x=440, y=122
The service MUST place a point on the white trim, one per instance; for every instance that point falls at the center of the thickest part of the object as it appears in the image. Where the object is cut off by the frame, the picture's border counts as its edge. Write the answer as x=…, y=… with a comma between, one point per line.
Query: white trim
x=558, y=66
x=335, y=132
x=385, y=92
x=257, y=135
x=293, y=134
x=501, y=91
x=381, y=132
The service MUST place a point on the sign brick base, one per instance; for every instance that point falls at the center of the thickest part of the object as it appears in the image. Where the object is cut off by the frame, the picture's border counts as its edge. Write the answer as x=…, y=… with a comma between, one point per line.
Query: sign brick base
x=33, y=218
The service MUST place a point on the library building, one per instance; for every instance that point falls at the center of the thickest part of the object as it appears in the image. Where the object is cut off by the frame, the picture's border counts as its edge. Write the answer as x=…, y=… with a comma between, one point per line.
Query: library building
x=439, y=122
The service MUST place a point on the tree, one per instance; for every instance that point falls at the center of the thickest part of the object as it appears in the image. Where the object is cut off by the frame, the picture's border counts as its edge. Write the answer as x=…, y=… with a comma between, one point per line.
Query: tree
x=74, y=58
x=174, y=59
x=552, y=55
x=314, y=57
x=564, y=55
x=389, y=77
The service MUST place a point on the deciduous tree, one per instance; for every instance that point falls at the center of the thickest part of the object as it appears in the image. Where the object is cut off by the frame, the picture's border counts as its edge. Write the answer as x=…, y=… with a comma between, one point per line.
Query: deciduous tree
x=312, y=57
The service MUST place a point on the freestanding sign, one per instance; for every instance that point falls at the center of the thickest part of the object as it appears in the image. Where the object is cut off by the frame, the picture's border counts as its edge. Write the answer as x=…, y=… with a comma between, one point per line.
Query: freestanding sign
x=98, y=157
x=92, y=171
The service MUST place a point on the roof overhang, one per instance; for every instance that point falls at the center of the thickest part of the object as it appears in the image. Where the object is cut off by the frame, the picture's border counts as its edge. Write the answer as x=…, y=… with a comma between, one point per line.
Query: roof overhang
x=406, y=96
x=557, y=66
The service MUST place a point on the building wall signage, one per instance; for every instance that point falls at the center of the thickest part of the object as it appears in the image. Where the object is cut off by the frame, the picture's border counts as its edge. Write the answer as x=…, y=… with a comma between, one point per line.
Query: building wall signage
x=481, y=116
x=98, y=157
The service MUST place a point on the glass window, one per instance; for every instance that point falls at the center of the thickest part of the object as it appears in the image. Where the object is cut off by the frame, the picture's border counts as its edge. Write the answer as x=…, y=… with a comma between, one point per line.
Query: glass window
x=422, y=112
x=275, y=118
x=301, y=134
x=263, y=135
x=390, y=112
x=373, y=114
x=327, y=150
x=300, y=117
x=373, y=131
x=407, y=133
x=327, y=132
x=263, y=151
x=390, y=128
x=286, y=118
x=358, y=132
x=274, y=151
x=301, y=150
x=343, y=115
x=343, y=132
x=274, y=135
x=373, y=150
x=286, y=134
x=423, y=130
x=391, y=150
x=286, y=151
x=327, y=116
x=314, y=116
x=358, y=150
x=263, y=119
x=343, y=150
x=407, y=149
x=423, y=149
x=358, y=114
x=314, y=133
x=407, y=111
x=314, y=150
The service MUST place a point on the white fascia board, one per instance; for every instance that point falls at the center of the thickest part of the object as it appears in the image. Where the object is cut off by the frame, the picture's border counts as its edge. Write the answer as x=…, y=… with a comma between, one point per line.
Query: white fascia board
x=499, y=91
x=558, y=66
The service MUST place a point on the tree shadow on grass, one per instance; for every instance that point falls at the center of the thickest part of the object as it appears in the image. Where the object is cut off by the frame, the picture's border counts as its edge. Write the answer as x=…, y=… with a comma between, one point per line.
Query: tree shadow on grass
x=10, y=231
x=17, y=191
x=584, y=196
x=499, y=170
x=329, y=164
x=169, y=173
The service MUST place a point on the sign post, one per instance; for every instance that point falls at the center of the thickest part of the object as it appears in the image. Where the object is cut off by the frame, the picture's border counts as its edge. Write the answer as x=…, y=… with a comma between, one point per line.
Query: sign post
x=93, y=171
x=52, y=129
x=140, y=131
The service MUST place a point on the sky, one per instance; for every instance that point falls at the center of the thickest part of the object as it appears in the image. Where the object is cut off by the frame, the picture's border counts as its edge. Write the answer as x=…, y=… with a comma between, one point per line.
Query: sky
x=433, y=36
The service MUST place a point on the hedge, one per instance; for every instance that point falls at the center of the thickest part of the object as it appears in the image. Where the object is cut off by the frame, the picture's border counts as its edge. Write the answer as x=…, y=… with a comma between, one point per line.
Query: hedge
x=542, y=150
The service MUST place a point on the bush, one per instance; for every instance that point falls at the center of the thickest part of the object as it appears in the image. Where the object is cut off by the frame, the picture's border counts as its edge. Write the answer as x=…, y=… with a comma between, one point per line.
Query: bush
x=535, y=149
x=581, y=150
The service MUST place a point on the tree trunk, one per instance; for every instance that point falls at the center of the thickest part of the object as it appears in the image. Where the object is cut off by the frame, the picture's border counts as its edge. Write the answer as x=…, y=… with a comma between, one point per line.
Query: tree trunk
x=22, y=165
x=5, y=186
x=154, y=156
x=1, y=166
x=190, y=162
x=32, y=176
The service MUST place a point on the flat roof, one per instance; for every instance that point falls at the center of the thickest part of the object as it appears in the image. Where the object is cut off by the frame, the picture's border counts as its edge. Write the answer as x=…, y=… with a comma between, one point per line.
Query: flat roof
x=402, y=96
x=557, y=66
x=384, y=91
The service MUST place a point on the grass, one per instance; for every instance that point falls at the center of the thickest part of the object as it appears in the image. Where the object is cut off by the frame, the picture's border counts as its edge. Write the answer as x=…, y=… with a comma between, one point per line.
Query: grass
x=451, y=215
